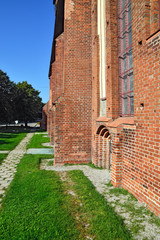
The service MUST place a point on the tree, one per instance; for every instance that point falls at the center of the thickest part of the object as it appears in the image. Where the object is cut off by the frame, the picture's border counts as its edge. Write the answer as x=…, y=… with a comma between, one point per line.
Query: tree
x=18, y=101
x=28, y=102
x=7, y=98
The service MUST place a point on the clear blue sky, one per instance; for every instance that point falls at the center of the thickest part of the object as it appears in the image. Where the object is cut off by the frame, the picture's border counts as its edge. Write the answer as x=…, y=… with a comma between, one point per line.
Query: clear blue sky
x=26, y=34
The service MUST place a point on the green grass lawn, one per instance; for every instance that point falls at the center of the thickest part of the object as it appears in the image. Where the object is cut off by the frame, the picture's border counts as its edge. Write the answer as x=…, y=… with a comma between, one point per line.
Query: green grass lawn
x=2, y=156
x=37, y=206
x=8, y=141
x=37, y=140
x=103, y=221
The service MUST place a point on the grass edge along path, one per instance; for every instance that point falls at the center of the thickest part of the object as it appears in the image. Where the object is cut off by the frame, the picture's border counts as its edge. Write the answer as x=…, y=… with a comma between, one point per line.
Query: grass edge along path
x=105, y=224
x=37, y=140
x=35, y=206
x=90, y=164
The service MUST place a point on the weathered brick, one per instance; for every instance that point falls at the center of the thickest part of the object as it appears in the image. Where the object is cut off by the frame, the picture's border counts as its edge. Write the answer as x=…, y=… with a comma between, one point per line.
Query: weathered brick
x=130, y=143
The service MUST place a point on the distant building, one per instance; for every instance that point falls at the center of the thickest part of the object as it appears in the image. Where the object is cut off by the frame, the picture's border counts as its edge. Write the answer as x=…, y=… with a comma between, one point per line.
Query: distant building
x=45, y=111
x=105, y=90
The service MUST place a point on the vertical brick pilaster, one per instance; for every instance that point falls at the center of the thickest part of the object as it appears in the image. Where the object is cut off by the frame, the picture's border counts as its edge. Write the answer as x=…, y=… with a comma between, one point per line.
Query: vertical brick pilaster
x=117, y=160
x=104, y=152
x=100, y=151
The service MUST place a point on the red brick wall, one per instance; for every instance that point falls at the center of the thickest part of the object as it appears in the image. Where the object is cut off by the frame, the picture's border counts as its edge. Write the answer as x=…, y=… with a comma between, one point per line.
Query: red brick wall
x=58, y=70
x=112, y=60
x=56, y=82
x=141, y=153
x=135, y=141
x=43, y=122
x=72, y=85
x=140, y=145
x=112, y=106
x=75, y=116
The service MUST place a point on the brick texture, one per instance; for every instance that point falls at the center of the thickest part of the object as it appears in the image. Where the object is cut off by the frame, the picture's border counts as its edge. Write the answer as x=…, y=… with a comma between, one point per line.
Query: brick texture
x=71, y=86
x=135, y=154
x=129, y=146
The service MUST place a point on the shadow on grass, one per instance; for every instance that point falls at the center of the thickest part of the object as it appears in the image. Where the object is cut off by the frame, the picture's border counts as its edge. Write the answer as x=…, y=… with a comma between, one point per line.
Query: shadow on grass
x=3, y=142
x=7, y=135
x=10, y=141
x=18, y=129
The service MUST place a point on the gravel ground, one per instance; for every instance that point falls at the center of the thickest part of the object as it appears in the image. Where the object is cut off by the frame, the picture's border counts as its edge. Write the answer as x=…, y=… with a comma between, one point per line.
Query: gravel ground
x=138, y=219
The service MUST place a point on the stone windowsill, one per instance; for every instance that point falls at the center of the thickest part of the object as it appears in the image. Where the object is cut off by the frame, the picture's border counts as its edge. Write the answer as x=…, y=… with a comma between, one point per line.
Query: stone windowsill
x=103, y=119
x=120, y=121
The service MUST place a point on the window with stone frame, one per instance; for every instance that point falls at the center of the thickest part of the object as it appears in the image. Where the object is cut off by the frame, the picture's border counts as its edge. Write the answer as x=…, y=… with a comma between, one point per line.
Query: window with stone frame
x=126, y=94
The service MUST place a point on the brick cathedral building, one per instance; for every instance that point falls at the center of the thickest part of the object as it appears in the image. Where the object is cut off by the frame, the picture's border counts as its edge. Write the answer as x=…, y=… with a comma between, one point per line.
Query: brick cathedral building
x=104, y=101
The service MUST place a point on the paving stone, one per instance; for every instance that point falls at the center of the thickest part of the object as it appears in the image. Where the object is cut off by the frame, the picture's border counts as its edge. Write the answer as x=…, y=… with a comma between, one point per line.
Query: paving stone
x=9, y=165
x=4, y=151
x=2, y=192
x=48, y=144
x=49, y=151
x=1, y=187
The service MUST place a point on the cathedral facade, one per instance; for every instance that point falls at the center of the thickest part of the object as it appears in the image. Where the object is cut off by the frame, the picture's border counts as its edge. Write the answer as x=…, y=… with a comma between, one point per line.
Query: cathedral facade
x=104, y=101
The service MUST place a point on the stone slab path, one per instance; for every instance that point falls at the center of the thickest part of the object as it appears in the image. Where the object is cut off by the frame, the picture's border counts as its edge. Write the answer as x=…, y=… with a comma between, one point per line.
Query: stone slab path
x=37, y=133
x=49, y=151
x=4, y=151
x=9, y=165
x=143, y=222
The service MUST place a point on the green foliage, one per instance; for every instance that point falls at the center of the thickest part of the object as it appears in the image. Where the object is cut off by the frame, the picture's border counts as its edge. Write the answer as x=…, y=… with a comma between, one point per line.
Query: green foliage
x=104, y=222
x=28, y=102
x=7, y=98
x=118, y=191
x=35, y=206
x=18, y=101
x=109, y=184
x=37, y=140
x=50, y=163
x=8, y=141
x=93, y=166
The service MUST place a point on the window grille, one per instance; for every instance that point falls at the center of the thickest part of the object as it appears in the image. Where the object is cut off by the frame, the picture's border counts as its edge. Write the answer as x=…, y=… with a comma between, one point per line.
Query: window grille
x=125, y=58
